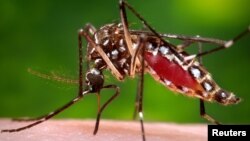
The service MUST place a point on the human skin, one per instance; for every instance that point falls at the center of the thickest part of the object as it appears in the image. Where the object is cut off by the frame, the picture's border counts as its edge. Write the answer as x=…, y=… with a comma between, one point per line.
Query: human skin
x=109, y=130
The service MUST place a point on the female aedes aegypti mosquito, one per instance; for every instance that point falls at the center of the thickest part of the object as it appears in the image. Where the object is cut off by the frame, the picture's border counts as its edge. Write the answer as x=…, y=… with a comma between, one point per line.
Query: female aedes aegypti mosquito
x=127, y=52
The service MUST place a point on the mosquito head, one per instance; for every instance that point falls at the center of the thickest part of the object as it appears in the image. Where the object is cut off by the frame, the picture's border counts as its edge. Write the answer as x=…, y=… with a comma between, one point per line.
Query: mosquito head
x=226, y=98
x=94, y=79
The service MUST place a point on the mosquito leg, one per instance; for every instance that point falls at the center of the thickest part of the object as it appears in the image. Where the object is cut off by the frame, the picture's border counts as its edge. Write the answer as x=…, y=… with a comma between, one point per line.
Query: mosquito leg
x=182, y=37
x=128, y=39
x=141, y=86
x=202, y=104
x=138, y=50
x=117, y=92
x=124, y=21
x=188, y=43
x=226, y=44
x=50, y=115
x=136, y=102
x=221, y=44
x=139, y=96
x=28, y=119
x=205, y=115
x=90, y=28
x=123, y=3
x=80, y=61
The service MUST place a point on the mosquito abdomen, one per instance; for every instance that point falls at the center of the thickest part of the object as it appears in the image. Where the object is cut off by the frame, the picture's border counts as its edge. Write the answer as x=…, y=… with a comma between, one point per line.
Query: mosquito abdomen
x=184, y=76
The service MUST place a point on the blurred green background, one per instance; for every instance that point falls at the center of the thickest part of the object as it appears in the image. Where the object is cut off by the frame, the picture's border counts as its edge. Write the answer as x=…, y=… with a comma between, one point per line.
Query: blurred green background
x=42, y=35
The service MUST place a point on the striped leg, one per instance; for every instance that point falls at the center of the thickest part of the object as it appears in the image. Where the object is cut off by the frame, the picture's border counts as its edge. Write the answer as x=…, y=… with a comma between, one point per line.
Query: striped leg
x=50, y=115
x=139, y=96
x=141, y=87
x=226, y=44
x=100, y=110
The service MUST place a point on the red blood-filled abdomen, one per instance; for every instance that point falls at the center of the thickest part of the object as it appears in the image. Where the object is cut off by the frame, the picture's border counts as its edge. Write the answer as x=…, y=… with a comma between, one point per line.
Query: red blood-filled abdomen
x=171, y=71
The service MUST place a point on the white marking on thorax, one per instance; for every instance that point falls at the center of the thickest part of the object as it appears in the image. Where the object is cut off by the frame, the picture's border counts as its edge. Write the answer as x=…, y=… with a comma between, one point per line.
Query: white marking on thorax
x=122, y=61
x=114, y=54
x=121, y=42
x=116, y=31
x=108, y=54
x=97, y=60
x=135, y=45
x=96, y=39
x=122, y=49
x=92, y=50
x=105, y=43
x=125, y=70
x=119, y=25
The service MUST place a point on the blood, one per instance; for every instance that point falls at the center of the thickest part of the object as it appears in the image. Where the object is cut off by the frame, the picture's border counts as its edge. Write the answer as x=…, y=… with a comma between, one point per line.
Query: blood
x=171, y=71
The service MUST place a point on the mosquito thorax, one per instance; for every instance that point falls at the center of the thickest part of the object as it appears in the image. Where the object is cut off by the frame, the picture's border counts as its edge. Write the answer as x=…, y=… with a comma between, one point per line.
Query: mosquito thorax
x=110, y=39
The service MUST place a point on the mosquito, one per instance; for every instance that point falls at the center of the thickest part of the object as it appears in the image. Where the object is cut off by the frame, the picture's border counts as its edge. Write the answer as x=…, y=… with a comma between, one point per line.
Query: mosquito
x=128, y=53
